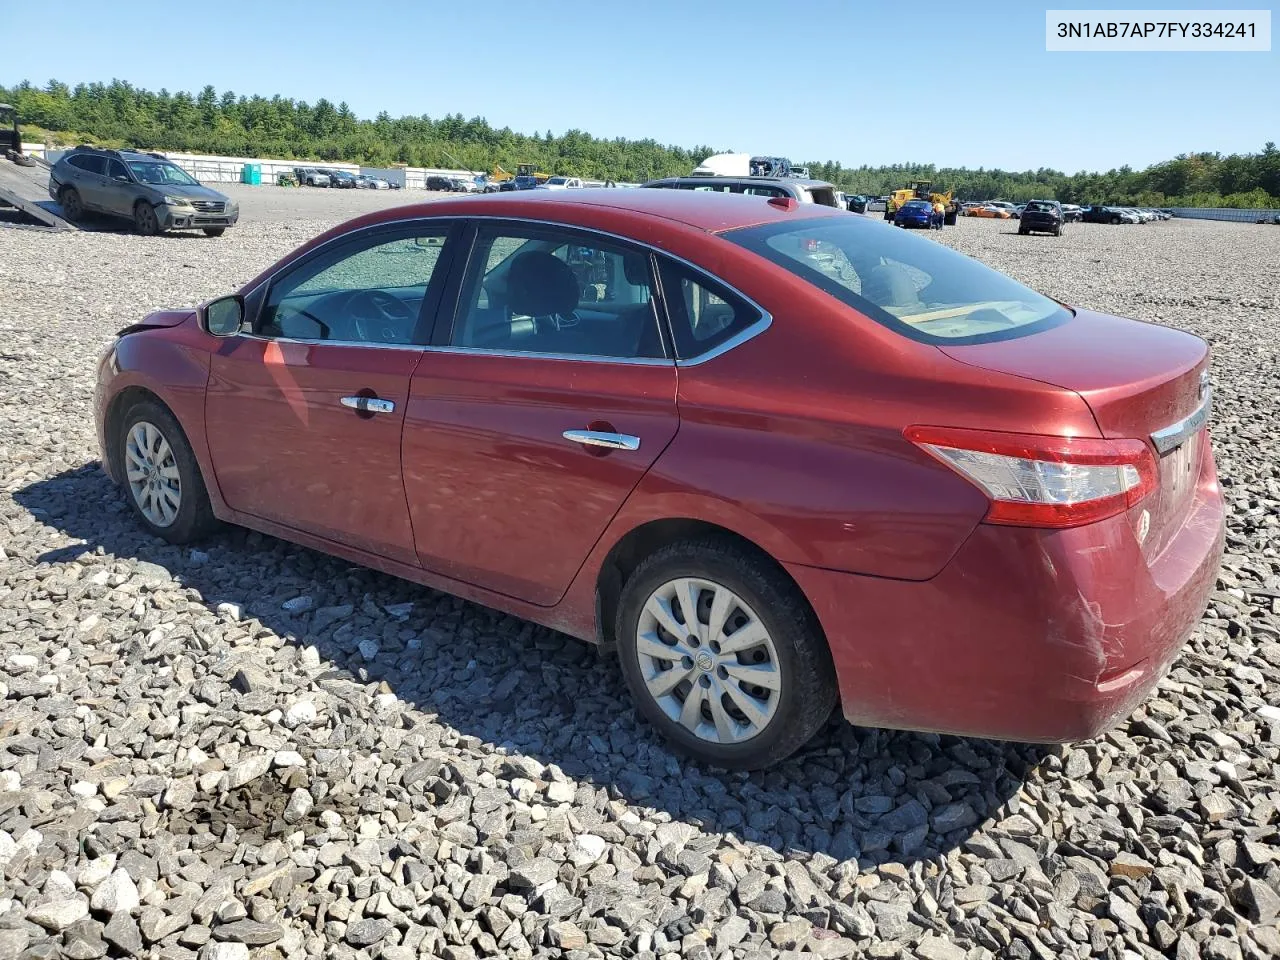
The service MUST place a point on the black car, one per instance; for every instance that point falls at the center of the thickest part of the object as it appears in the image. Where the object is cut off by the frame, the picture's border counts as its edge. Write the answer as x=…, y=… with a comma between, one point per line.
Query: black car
x=1041, y=216
x=858, y=203
x=343, y=180
x=437, y=182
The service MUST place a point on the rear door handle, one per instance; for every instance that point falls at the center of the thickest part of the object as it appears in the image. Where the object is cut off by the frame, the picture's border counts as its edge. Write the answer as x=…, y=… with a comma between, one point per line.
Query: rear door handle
x=369, y=404
x=595, y=438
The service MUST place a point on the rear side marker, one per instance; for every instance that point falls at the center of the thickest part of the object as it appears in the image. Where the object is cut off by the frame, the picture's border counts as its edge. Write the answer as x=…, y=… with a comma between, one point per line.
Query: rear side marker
x=1039, y=481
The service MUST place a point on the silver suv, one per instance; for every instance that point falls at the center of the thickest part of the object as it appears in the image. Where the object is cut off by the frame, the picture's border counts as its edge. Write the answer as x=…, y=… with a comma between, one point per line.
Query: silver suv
x=799, y=189
x=152, y=191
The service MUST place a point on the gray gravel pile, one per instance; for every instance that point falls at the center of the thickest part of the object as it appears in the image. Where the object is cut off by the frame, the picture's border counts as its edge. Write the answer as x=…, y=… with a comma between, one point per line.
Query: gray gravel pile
x=250, y=749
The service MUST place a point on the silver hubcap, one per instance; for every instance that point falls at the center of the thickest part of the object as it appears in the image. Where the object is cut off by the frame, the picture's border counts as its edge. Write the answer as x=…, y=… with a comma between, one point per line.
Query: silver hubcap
x=153, y=474
x=708, y=661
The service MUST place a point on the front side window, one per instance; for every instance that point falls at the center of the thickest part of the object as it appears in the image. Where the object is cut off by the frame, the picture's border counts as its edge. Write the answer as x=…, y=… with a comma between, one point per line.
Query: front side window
x=161, y=173
x=917, y=287
x=541, y=290
x=371, y=292
x=116, y=170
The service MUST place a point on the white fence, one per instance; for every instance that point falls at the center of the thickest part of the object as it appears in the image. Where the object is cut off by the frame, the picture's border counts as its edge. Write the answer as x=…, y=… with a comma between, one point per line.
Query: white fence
x=1224, y=213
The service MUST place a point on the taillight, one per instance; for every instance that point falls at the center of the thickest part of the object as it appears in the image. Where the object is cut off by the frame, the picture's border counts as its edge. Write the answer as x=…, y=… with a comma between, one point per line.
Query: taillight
x=1038, y=481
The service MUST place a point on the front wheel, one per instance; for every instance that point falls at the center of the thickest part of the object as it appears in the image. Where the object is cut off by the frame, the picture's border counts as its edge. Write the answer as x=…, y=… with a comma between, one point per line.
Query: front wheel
x=723, y=655
x=160, y=471
x=214, y=231
x=145, y=220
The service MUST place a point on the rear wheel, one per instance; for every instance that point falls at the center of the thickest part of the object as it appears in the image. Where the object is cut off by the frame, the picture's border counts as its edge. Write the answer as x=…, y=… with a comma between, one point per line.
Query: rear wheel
x=1115, y=221
x=723, y=656
x=145, y=220
x=214, y=231
x=162, y=475
x=72, y=205
x=1057, y=230
x=1022, y=232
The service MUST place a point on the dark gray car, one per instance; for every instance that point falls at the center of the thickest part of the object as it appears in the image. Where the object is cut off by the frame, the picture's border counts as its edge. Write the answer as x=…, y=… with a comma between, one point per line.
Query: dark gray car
x=152, y=191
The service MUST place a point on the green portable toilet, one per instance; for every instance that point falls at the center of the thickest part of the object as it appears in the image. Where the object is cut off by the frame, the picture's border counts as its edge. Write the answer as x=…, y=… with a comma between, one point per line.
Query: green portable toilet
x=251, y=174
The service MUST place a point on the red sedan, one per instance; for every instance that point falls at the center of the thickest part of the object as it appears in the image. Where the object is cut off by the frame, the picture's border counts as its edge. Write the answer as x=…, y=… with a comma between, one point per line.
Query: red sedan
x=779, y=455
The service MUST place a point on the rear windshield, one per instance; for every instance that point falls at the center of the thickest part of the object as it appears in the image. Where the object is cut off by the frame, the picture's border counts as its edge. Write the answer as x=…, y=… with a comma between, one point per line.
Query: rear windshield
x=1035, y=207
x=915, y=286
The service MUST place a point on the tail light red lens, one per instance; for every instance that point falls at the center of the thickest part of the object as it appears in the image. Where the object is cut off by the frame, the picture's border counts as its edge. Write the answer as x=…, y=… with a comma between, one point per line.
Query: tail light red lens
x=1038, y=481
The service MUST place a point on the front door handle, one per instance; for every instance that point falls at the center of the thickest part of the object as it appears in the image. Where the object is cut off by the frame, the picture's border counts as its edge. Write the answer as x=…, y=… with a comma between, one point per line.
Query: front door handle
x=369, y=404
x=596, y=438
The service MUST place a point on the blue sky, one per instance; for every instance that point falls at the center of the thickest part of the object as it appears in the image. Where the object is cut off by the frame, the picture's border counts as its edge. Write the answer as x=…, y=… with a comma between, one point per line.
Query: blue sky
x=859, y=82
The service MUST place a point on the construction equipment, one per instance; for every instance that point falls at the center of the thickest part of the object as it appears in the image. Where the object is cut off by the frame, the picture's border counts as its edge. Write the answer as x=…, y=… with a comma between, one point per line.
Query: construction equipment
x=527, y=170
x=923, y=190
x=11, y=137
x=26, y=186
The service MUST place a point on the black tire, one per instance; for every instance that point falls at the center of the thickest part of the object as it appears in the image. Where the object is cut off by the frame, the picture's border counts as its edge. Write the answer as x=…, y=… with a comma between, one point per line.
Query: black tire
x=1022, y=232
x=807, y=691
x=1057, y=230
x=1115, y=221
x=195, y=517
x=145, y=220
x=949, y=219
x=72, y=205
x=214, y=231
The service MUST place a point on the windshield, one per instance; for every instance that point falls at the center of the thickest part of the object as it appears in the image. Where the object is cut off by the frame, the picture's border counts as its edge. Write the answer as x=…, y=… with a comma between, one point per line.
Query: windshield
x=160, y=172
x=1039, y=208
x=917, y=287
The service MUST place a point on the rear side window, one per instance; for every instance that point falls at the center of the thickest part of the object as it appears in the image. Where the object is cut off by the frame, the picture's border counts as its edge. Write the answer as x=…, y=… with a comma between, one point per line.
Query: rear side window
x=90, y=163
x=916, y=287
x=703, y=313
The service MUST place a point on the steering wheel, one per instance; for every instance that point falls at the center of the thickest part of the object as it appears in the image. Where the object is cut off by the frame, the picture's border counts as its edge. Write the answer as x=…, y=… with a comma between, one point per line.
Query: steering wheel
x=378, y=316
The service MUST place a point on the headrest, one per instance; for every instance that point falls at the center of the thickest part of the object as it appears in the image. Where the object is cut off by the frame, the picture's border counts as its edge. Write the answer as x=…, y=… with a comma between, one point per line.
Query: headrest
x=540, y=285
x=636, y=268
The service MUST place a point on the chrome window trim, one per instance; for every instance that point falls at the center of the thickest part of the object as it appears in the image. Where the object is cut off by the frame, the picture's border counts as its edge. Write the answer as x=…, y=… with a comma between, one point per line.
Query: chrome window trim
x=332, y=343
x=748, y=333
x=1167, y=439
x=585, y=357
x=739, y=338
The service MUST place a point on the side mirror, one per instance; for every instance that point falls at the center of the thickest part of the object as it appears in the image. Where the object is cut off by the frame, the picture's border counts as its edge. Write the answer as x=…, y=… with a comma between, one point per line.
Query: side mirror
x=224, y=317
x=120, y=179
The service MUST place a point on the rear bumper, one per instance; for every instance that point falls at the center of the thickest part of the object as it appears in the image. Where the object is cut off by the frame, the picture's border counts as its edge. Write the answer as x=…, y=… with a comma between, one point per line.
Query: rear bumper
x=1032, y=635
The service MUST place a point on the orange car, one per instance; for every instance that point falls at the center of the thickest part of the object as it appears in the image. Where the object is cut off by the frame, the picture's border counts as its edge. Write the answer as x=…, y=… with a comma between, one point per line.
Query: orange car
x=997, y=213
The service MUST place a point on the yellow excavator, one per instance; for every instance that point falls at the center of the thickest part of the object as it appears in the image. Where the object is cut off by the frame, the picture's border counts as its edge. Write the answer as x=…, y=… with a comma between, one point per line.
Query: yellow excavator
x=526, y=171
x=923, y=190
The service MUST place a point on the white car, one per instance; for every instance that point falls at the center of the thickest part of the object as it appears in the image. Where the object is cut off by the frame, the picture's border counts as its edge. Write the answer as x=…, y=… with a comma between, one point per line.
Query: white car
x=562, y=183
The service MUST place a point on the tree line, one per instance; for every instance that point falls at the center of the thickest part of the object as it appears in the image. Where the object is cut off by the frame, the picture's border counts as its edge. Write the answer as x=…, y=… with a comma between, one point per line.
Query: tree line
x=118, y=114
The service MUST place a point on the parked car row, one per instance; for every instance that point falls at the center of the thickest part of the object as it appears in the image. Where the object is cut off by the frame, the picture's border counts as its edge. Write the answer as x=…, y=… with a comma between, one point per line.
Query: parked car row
x=1116, y=215
x=340, y=179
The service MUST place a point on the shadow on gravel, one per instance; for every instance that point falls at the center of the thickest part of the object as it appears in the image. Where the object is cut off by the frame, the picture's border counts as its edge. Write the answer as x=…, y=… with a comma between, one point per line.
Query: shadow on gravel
x=880, y=795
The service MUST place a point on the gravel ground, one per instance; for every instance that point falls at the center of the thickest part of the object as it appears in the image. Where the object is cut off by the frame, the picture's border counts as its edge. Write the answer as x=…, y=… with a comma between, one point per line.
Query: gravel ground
x=251, y=749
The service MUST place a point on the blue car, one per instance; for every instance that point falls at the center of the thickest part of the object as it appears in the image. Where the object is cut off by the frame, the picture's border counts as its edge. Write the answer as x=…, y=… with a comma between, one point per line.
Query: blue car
x=917, y=213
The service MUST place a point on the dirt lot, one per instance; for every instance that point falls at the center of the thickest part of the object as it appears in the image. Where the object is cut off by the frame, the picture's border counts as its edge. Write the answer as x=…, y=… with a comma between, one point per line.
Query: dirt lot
x=249, y=747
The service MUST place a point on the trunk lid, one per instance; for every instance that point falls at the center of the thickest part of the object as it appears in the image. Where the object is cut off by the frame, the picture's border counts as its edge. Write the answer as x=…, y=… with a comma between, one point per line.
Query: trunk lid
x=1139, y=380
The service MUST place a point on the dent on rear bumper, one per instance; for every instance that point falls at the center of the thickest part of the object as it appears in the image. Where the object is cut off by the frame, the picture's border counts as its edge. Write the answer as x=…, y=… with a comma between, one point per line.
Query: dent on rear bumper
x=1027, y=635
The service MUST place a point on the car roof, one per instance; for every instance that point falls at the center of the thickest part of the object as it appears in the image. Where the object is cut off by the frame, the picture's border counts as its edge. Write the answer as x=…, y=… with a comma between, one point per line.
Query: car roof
x=712, y=212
